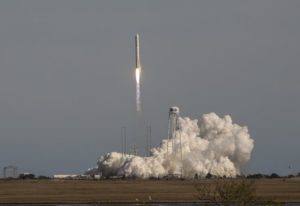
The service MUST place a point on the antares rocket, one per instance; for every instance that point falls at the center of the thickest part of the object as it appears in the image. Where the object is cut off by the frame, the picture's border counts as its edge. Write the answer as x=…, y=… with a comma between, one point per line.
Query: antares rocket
x=137, y=52
x=138, y=71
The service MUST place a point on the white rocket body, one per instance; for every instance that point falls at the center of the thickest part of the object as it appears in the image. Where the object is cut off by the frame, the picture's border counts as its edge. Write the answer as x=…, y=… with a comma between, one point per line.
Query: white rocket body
x=137, y=52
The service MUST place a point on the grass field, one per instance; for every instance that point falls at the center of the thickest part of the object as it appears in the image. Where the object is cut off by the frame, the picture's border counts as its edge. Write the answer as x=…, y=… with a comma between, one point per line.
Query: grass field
x=128, y=191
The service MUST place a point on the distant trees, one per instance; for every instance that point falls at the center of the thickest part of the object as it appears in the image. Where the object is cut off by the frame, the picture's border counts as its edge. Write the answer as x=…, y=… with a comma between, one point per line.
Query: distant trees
x=43, y=177
x=26, y=176
x=29, y=176
x=256, y=176
x=209, y=176
x=259, y=176
x=250, y=176
x=274, y=175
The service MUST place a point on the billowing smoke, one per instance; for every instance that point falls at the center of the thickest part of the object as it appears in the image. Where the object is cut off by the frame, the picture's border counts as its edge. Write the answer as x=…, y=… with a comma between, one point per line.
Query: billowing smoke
x=209, y=145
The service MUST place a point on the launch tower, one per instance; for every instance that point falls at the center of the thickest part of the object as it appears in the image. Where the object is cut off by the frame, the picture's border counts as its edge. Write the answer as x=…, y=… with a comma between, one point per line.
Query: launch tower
x=174, y=146
x=172, y=128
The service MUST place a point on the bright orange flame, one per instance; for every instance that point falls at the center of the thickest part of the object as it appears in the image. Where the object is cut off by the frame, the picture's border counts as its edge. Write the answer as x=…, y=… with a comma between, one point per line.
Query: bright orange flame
x=137, y=75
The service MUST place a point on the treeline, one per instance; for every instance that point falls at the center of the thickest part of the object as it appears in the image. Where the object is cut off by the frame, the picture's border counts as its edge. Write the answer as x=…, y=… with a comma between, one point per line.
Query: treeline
x=208, y=176
x=26, y=176
x=251, y=176
x=271, y=176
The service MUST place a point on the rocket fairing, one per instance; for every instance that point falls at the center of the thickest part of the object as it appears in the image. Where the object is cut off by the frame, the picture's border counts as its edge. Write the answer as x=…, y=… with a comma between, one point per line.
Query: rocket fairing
x=137, y=51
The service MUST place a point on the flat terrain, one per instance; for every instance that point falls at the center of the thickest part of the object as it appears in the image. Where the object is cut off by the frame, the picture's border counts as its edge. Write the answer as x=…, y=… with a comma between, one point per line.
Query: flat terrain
x=125, y=191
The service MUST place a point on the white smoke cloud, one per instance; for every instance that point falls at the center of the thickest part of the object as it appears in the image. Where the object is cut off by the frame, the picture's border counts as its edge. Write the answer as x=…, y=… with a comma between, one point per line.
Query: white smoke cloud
x=211, y=145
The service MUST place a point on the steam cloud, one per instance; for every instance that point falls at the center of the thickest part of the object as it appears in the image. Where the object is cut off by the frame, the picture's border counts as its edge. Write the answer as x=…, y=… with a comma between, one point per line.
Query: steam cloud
x=209, y=145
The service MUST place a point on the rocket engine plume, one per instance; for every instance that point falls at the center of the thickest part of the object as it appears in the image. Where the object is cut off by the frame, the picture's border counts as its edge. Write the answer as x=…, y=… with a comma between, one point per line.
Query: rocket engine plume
x=138, y=69
x=138, y=92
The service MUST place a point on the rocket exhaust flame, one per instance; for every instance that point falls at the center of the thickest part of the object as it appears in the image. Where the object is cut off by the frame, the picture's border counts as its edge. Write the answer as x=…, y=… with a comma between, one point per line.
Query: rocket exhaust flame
x=138, y=92
x=137, y=72
x=137, y=75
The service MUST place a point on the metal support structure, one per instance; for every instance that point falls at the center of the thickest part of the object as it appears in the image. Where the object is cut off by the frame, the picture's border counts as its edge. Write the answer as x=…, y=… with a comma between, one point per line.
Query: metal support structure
x=14, y=170
x=134, y=150
x=172, y=128
x=148, y=141
x=123, y=140
x=176, y=143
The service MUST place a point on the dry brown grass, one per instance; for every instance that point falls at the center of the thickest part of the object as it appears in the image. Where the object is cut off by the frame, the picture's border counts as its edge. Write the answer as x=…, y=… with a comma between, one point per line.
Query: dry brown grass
x=89, y=191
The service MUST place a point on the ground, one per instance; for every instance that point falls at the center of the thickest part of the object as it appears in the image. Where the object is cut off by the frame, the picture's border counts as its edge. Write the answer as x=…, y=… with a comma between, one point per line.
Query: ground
x=128, y=191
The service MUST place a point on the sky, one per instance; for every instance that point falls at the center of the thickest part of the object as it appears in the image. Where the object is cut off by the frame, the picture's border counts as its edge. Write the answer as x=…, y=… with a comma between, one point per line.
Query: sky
x=67, y=77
